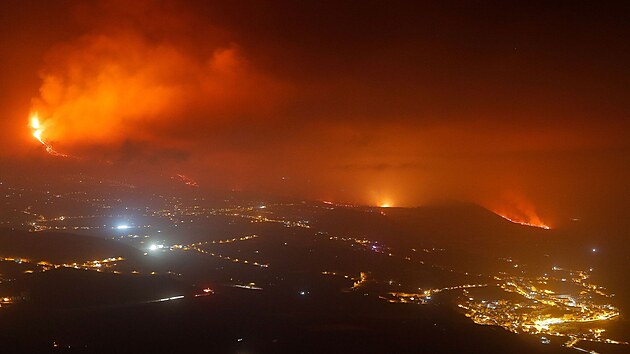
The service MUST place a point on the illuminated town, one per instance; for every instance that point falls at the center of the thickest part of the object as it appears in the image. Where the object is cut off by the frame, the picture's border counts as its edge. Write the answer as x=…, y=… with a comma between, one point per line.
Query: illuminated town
x=579, y=315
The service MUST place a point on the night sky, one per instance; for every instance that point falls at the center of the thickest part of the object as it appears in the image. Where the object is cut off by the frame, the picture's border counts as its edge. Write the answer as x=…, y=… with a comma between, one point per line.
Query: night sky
x=523, y=107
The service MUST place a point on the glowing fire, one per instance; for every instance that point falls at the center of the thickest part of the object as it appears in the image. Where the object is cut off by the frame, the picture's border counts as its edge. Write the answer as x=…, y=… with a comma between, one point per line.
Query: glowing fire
x=38, y=130
x=538, y=223
x=187, y=180
x=515, y=207
x=384, y=202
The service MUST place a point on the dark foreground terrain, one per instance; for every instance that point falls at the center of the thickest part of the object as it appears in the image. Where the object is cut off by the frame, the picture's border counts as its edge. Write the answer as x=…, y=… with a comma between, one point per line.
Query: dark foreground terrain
x=247, y=321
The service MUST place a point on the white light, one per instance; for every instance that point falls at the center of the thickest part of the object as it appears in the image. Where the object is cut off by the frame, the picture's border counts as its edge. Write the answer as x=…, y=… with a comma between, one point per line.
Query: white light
x=122, y=227
x=594, y=249
x=153, y=247
x=169, y=298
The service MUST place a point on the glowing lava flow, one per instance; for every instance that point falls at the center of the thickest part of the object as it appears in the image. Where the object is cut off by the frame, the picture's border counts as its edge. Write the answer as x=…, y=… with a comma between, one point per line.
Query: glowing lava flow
x=187, y=181
x=540, y=225
x=38, y=129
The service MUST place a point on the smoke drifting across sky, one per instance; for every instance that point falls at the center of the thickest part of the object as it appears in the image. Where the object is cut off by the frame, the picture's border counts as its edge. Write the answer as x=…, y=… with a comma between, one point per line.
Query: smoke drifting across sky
x=146, y=69
x=509, y=105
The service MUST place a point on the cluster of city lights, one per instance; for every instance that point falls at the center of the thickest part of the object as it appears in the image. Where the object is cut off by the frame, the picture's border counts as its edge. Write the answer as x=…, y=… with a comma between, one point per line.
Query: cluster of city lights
x=579, y=315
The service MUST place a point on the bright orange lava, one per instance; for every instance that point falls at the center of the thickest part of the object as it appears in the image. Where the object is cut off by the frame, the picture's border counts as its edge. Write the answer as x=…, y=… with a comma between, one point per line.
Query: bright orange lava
x=539, y=225
x=38, y=130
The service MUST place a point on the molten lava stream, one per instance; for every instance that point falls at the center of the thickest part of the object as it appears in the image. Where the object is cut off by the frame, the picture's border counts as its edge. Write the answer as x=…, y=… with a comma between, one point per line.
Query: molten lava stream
x=38, y=130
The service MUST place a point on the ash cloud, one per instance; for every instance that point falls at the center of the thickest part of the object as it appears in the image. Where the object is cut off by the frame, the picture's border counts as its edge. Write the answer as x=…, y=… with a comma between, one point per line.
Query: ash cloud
x=140, y=74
